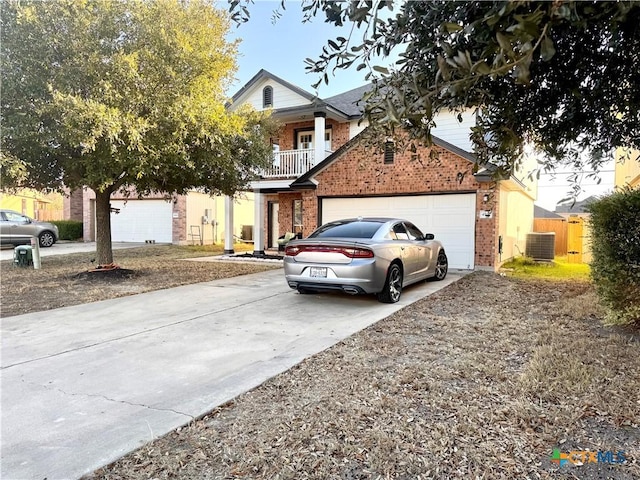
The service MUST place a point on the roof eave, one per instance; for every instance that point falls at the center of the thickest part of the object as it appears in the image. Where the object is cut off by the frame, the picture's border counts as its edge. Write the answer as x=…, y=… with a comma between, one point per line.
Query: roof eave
x=262, y=74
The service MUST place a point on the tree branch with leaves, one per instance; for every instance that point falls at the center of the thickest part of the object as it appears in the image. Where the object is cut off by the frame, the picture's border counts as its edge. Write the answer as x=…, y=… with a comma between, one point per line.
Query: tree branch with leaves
x=560, y=75
x=123, y=96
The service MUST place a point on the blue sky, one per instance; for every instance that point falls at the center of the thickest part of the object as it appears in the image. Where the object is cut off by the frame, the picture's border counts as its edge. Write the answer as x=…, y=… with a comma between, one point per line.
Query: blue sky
x=281, y=48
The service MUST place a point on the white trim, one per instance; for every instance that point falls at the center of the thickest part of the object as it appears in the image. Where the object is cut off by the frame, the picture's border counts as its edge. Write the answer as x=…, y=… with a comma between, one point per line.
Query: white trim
x=265, y=184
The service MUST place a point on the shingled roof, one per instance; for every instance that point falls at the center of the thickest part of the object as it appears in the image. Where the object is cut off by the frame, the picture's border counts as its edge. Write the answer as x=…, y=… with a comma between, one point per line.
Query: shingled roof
x=577, y=207
x=349, y=102
x=539, y=212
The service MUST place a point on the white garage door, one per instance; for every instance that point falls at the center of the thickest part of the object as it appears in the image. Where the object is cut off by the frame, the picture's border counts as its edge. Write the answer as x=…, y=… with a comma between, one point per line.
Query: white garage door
x=141, y=220
x=451, y=218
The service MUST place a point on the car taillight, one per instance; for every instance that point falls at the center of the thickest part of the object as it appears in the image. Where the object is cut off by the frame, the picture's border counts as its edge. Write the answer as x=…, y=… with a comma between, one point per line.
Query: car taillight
x=351, y=252
x=357, y=252
x=291, y=251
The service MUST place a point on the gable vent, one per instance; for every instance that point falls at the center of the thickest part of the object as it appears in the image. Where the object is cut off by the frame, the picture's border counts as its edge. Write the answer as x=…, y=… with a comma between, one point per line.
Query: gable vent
x=389, y=152
x=267, y=97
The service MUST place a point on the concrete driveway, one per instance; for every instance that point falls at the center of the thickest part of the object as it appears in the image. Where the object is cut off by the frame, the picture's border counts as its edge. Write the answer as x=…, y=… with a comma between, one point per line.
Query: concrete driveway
x=84, y=385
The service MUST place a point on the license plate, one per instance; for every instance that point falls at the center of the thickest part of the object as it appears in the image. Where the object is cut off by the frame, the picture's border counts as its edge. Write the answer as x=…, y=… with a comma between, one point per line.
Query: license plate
x=318, y=272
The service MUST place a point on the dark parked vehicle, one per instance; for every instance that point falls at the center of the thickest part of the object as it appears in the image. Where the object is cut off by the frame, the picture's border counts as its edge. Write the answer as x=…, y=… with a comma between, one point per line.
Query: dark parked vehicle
x=18, y=229
x=364, y=255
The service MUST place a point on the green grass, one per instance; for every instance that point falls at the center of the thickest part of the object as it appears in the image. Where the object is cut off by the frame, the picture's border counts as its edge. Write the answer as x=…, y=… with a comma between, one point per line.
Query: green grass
x=559, y=269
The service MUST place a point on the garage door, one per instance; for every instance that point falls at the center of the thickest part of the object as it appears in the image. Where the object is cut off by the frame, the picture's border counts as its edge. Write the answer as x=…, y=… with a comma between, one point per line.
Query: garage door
x=451, y=218
x=141, y=220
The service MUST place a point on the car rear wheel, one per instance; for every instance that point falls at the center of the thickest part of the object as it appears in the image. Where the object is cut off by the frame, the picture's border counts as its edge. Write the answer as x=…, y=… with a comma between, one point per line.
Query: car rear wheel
x=442, y=266
x=46, y=239
x=392, y=286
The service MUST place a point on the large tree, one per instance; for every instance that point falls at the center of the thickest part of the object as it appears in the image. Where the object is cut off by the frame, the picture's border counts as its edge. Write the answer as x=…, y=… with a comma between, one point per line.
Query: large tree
x=562, y=75
x=123, y=95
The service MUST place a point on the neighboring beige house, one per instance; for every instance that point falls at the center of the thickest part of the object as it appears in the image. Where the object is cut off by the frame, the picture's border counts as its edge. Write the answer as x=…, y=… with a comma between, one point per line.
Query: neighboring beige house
x=322, y=171
x=34, y=204
x=194, y=218
x=627, y=168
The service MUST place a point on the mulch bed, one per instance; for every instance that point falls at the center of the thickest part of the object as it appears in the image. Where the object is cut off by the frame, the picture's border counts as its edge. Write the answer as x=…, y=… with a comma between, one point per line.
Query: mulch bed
x=105, y=275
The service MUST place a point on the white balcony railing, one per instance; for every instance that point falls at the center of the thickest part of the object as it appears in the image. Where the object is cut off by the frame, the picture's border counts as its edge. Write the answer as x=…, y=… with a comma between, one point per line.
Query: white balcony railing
x=290, y=163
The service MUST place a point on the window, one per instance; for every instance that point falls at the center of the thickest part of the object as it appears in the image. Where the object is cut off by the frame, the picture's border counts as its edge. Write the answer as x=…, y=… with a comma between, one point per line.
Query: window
x=348, y=229
x=305, y=141
x=400, y=231
x=389, y=152
x=267, y=97
x=297, y=216
x=414, y=232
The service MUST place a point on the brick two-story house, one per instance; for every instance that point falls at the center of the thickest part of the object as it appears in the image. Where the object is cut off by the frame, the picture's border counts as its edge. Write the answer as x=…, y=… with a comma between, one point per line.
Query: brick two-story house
x=322, y=171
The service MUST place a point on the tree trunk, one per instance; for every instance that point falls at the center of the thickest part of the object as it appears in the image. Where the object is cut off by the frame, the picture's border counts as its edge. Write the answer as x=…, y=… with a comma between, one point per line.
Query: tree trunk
x=104, y=252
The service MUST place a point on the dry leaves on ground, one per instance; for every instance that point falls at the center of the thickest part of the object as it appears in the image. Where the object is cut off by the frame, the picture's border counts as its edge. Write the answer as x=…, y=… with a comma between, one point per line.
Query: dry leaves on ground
x=483, y=379
x=62, y=280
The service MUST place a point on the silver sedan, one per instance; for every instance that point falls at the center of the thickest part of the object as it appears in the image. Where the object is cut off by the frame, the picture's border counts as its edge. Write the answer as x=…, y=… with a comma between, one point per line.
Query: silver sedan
x=18, y=229
x=364, y=255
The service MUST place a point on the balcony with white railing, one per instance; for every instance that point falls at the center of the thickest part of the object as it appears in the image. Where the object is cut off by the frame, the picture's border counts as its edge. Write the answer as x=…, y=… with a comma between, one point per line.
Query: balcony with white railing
x=290, y=164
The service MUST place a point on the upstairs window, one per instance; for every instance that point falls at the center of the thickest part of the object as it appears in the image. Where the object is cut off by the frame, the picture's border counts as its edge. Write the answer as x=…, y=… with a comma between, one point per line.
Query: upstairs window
x=267, y=97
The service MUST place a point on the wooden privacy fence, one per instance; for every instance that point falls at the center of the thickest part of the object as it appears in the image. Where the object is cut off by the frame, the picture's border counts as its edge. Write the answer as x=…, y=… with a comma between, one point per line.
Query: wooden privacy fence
x=49, y=215
x=559, y=227
x=572, y=237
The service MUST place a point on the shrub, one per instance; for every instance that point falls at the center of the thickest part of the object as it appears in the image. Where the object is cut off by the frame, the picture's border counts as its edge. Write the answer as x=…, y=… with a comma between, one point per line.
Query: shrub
x=69, y=229
x=615, y=244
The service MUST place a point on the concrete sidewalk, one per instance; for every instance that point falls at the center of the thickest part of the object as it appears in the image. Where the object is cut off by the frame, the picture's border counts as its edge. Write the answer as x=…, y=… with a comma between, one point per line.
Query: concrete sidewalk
x=64, y=248
x=84, y=385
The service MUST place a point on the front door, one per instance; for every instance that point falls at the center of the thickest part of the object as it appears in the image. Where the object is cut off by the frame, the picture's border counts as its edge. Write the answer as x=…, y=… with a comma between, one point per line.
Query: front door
x=305, y=140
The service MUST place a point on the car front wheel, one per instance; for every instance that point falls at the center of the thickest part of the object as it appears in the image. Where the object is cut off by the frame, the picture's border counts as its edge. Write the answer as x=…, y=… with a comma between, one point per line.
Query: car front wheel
x=442, y=266
x=47, y=239
x=392, y=286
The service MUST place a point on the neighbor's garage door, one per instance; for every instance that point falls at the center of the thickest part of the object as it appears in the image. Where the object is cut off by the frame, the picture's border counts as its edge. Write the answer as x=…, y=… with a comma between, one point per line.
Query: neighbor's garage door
x=451, y=218
x=141, y=220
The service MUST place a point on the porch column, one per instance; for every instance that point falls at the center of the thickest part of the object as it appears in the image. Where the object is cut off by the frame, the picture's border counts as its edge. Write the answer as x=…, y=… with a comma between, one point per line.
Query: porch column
x=258, y=223
x=228, y=225
x=319, y=136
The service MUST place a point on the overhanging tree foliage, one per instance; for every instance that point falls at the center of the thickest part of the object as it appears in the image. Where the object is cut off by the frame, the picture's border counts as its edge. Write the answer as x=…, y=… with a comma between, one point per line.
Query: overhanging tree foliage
x=561, y=75
x=123, y=95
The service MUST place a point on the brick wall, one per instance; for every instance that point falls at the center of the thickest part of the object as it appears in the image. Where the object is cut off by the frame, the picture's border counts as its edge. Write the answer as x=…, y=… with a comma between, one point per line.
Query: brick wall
x=88, y=215
x=361, y=171
x=285, y=211
x=73, y=206
x=179, y=220
x=339, y=133
x=486, y=254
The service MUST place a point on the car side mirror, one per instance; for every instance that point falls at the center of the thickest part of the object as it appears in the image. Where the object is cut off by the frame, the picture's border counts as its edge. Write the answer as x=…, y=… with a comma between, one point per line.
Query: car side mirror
x=429, y=236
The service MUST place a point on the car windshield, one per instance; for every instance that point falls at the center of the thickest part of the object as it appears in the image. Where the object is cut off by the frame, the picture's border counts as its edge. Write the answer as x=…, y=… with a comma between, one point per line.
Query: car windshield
x=351, y=229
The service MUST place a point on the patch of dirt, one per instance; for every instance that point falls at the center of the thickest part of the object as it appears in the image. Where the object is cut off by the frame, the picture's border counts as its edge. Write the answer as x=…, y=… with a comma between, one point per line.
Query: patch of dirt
x=106, y=275
x=484, y=379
